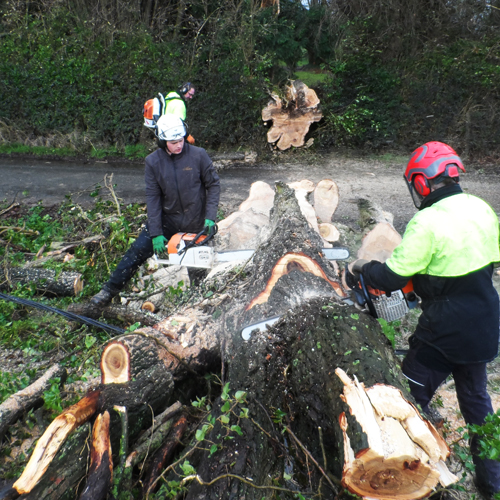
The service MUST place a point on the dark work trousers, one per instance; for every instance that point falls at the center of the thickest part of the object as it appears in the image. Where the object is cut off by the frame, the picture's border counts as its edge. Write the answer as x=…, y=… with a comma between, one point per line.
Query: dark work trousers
x=473, y=399
x=140, y=251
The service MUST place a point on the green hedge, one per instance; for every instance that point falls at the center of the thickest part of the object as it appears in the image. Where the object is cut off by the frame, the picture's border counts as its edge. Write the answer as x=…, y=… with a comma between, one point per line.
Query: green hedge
x=62, y=75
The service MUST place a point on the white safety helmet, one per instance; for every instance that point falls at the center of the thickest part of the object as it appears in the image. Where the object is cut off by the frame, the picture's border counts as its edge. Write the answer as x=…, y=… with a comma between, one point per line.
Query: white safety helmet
x=170, y=128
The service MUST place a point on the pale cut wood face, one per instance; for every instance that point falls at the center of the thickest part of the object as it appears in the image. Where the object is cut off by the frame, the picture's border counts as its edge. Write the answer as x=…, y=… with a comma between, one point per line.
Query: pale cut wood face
x=405, y=456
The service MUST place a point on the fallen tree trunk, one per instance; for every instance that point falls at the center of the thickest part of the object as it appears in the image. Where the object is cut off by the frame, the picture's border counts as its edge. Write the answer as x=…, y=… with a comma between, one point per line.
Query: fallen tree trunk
x=283, y=378
x=45, y=280
x=21, y=402
x=281, y=422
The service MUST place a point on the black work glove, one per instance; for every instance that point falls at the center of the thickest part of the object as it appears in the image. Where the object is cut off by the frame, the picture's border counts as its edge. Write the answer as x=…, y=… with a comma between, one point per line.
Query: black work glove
x=352, y=275
x=351, y=279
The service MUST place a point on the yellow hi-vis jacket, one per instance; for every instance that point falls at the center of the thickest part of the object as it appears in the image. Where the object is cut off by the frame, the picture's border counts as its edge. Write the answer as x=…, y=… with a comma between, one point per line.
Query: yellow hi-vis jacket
x=448, y=250
x=175, y=105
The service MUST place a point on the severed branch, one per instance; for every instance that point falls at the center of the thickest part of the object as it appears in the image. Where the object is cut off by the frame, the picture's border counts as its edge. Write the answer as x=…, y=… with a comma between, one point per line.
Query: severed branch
x=101, y=463
x=9, y=208
x=108, y=182
x=119, y=472
x=53, y=438
x=164, y=454
x=20, y=402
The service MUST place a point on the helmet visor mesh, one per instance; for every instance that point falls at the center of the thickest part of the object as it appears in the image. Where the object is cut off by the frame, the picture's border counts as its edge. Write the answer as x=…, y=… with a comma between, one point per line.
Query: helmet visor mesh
x=416, y=197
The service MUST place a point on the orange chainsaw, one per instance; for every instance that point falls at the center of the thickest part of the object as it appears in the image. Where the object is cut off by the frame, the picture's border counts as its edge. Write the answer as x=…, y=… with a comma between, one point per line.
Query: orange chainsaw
x=390, y=306
x=191, y=250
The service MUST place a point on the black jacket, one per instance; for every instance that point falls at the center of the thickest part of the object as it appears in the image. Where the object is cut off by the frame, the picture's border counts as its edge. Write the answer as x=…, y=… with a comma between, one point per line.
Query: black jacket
x=460, y=314
x=184, y=187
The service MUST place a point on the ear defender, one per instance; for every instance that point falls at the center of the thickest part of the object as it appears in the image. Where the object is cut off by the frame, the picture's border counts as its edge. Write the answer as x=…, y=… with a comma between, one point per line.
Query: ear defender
x=421, y=185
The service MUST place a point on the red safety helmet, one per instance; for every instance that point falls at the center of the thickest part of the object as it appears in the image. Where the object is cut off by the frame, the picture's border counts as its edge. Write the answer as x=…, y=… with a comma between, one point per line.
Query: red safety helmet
x=433, y=160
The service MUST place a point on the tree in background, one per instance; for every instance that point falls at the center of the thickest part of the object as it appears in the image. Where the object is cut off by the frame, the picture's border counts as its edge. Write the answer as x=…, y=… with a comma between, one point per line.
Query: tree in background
x=398, y=73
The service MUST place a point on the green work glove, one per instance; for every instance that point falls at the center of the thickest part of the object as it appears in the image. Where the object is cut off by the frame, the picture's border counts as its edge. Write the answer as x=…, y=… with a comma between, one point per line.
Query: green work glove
x=210, y=227
x=159, y=243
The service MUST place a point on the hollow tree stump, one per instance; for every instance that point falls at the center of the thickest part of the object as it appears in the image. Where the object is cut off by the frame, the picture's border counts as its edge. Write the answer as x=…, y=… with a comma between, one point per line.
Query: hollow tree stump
x=292, y=119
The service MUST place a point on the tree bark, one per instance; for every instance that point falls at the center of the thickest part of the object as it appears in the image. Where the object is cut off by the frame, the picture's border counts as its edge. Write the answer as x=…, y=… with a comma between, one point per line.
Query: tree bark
x=45, y=280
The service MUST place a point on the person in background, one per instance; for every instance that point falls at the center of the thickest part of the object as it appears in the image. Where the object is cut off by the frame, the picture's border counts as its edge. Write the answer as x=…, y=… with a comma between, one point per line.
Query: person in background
x=182, y=195
x=448, y=250
x=175, y=104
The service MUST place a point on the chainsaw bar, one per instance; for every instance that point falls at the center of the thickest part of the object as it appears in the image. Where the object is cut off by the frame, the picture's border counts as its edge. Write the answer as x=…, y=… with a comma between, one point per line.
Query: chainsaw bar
x=203, y=256
x=261, y=326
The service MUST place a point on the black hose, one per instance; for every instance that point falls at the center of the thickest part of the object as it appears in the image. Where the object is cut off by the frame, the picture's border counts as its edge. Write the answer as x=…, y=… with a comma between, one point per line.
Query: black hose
x=66, y=314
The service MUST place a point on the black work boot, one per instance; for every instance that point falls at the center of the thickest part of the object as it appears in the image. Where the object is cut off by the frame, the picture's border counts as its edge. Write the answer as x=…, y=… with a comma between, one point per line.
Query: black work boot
x=102, y=299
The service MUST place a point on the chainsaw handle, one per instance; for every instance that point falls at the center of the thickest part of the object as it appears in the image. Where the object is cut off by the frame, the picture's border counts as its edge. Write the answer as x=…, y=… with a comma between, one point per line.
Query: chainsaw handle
x=193, y=242
x=367, y=297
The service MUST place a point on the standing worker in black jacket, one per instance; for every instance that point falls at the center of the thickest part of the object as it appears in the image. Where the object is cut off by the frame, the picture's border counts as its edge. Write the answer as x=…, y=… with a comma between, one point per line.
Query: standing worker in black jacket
x=448, y=251
x=182, y=195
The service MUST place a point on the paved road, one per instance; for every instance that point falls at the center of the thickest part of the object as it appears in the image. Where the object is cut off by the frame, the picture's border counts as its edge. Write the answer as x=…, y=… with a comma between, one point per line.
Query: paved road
x=33, y=181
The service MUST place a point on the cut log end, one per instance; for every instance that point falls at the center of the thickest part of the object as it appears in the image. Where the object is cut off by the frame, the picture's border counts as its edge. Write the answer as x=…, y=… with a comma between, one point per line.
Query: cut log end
x=329, y=232
x=148, y=306
x=78, y=285
x=403, y=460
x=115, y=364
x=401, y=478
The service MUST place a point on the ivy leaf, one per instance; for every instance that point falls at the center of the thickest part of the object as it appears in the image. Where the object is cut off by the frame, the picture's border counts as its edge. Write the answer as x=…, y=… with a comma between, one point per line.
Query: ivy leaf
x=90, y=341
x=240, y=396
x=237, y=429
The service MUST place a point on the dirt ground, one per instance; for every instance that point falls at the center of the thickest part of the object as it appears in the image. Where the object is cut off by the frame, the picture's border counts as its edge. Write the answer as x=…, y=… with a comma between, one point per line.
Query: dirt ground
x=376, y=178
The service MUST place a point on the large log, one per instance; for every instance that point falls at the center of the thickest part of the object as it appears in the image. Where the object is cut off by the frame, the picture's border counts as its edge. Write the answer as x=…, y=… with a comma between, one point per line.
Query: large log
x=399, y=454
x=45, y=280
